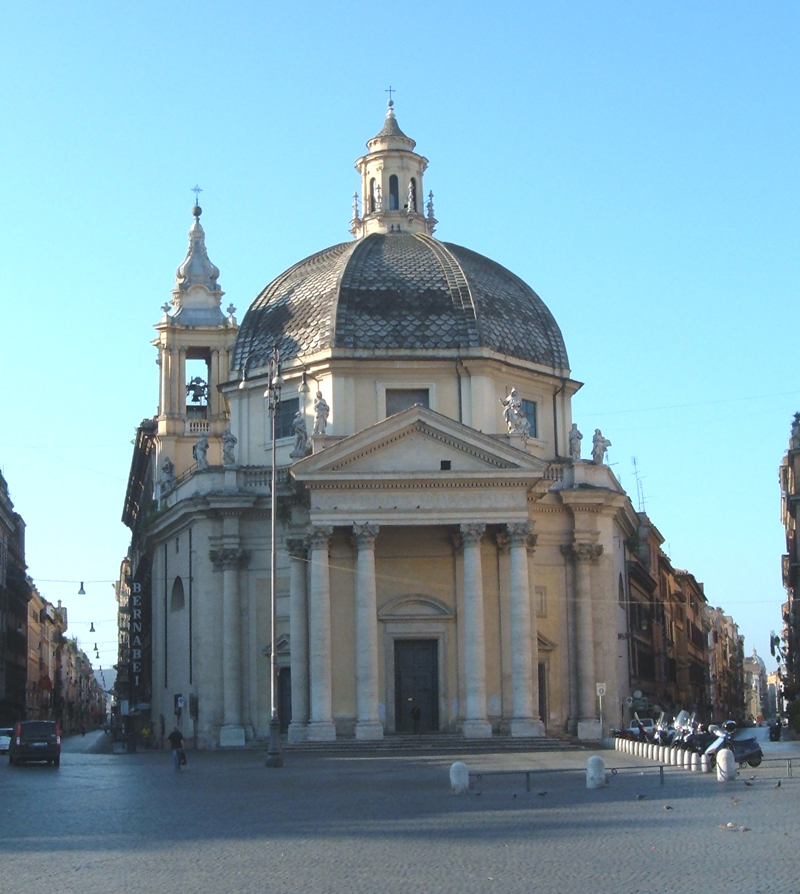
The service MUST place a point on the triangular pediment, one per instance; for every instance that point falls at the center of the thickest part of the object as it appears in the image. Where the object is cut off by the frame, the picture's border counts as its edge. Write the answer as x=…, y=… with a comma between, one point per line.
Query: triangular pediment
x=418, y=442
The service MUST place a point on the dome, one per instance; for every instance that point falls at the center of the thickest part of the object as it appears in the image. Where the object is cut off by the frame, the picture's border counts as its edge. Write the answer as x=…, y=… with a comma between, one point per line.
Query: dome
x=399, y=292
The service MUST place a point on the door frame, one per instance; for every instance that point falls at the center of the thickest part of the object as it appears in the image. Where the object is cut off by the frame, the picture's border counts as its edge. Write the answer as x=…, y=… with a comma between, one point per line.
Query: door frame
x=416, y=617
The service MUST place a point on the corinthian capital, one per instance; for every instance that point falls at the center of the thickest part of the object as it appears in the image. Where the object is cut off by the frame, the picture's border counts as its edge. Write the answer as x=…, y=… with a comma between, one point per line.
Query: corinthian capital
x=319, y=535
x=583, y=551
x=471, y=533
x=364, y=534
x=519, y=534
x=228, y=558
x=297, y=547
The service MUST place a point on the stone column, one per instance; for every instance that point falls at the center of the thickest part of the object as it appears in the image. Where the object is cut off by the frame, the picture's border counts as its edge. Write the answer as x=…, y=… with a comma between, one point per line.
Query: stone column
x=228, y=561
x=321, y=726
x=298, y=638
x=476, y=724
x=584, y=555
x=524, y=721
x=368, y=724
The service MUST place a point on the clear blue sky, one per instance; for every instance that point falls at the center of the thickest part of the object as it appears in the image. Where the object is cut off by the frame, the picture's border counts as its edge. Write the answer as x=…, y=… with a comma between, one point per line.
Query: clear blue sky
x=635, y=163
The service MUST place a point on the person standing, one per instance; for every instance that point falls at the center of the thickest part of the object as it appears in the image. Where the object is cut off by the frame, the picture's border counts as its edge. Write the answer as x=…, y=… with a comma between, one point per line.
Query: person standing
x=175, y=739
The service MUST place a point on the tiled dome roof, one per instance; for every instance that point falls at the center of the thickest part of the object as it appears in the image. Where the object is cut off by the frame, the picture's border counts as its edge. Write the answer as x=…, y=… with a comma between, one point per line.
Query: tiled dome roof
x=401, y=292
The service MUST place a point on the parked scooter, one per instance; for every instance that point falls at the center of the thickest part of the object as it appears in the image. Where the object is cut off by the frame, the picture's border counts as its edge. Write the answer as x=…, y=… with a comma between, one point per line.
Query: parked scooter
x=745, y=751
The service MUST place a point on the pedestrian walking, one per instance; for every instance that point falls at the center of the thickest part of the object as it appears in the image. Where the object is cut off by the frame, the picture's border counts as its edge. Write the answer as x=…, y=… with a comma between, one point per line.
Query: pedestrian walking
x=175, y=739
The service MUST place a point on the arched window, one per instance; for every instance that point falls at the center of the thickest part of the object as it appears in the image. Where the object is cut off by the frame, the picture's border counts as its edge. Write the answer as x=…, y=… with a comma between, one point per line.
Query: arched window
x=372, y=196
x=412, y=195
x=394, y=193
x=177, y=601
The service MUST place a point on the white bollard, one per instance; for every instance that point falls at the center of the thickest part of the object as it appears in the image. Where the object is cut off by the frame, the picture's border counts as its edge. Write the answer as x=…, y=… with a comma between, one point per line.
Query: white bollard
x=695, y=762
x=676, y=753
x=705, y=764
x=687, y=759
x=726, y=765
x=459, y=778
x=595, y=772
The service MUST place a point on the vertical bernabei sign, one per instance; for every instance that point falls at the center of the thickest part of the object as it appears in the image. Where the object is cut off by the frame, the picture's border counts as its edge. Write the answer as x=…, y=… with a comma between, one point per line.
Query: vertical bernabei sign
x=137, y=639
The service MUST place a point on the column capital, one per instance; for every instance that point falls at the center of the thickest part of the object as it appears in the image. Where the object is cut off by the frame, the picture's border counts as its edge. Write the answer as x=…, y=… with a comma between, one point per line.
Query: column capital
x=319, y=535
x=583, y=551
x=228, y=558
x=297, y=547
x=471, y=533
x=521, y=534
x=364, y=534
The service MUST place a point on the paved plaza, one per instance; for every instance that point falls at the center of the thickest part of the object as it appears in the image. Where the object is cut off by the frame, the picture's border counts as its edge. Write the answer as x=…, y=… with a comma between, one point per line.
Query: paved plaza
x=110, y=823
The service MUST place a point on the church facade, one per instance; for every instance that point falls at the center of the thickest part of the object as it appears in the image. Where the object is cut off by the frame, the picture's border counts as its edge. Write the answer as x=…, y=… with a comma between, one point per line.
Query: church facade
x=444, y=559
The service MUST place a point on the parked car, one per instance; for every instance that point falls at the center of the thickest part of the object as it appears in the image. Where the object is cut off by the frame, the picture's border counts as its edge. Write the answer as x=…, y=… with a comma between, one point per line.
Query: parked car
x=5, y=737
x=35, y=740
x=647, y=722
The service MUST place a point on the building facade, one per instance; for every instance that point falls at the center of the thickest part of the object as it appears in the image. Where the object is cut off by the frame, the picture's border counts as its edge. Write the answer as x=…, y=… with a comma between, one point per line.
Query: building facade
x=444, y=557
x=15, y=593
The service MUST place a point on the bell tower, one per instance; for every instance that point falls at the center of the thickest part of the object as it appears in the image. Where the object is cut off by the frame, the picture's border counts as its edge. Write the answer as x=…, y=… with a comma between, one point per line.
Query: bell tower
x=195, y=342
x=392, y=197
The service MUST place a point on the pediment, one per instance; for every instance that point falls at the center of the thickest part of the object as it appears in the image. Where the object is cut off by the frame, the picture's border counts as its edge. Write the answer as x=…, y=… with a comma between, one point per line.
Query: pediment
x=418, y=442
x=414, y=607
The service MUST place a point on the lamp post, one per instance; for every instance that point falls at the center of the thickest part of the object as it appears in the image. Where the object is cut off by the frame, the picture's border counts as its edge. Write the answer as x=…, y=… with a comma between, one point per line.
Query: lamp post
x=273, y=396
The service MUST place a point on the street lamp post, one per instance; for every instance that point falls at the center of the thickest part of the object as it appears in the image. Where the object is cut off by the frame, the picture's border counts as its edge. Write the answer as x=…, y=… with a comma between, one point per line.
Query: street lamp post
x=273, y=396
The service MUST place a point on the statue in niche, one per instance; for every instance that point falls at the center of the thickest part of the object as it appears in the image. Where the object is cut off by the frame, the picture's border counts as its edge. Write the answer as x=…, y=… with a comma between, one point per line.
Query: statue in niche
x=796, y=431
x=575, y=438
x=167, y=475
x=229, y=440
x=411, y=198
x=516, y=422
x=321, y=412
x=301, y=445
x=599, y=447
x=200, y=452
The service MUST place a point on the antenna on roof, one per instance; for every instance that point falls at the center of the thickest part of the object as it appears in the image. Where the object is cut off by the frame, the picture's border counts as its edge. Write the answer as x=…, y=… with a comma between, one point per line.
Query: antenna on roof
x=639, y=485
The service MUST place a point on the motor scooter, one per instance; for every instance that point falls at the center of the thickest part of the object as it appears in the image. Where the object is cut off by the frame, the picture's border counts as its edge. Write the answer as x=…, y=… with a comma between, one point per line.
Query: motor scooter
x=745, y=751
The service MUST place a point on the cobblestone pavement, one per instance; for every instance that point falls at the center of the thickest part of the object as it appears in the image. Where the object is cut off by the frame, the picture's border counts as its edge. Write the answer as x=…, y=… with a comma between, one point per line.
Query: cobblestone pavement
x=128, y=822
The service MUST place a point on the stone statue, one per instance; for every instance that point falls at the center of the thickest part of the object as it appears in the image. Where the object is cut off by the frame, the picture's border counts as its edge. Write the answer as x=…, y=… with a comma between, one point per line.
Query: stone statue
x=575, y=438
x=321, y=411
x=512, y=413
x=411, y=199
x=301, y=445
x=167, y=475
x=599, y=446
x=228, y=443
x=200, y=452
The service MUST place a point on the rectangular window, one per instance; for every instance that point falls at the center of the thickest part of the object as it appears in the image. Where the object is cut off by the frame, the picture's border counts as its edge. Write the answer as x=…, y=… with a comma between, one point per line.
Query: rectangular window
x=540, y=595
x=399, y=399
x=528, y=410
x=285, y=416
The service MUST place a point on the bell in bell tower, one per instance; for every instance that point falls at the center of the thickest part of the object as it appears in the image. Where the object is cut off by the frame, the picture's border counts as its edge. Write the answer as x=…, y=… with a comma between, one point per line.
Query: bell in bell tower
x=195, y=341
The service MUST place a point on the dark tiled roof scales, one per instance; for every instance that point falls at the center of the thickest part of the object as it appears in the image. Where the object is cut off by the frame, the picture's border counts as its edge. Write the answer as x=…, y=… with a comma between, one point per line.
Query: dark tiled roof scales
x=399, y=292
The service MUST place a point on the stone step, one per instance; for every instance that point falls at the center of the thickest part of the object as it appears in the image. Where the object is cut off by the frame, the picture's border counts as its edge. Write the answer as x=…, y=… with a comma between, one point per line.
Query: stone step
x=438, y=743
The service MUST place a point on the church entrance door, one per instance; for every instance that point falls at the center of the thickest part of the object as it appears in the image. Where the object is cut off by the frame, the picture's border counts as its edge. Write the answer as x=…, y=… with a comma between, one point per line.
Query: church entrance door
x=416, y=685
